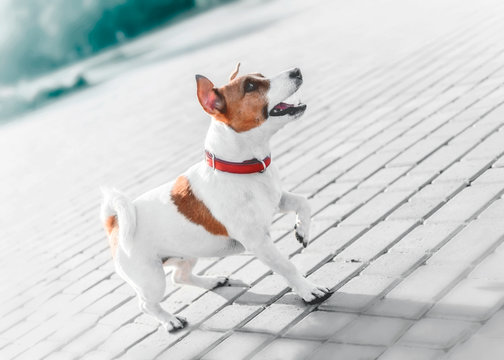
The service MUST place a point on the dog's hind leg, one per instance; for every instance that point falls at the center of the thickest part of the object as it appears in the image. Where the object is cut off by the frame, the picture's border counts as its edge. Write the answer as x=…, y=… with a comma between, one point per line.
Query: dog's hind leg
x=183, y=274
x=292, y=202
x=147, y=278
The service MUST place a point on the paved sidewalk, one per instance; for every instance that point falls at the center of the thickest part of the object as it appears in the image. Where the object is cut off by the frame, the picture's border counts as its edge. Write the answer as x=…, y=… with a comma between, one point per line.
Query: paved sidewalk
x=401, y=153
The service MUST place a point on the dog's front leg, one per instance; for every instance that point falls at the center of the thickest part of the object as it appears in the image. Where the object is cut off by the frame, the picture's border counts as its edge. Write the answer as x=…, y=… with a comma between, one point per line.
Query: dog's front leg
x=292, y=202
x=266, y=251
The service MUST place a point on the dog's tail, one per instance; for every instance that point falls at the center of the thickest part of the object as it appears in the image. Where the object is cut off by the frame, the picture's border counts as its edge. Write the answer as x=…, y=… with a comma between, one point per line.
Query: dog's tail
x=118, y=216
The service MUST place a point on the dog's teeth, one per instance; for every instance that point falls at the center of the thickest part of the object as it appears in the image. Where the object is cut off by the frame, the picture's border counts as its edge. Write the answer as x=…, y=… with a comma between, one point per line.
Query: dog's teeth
x=294, y=99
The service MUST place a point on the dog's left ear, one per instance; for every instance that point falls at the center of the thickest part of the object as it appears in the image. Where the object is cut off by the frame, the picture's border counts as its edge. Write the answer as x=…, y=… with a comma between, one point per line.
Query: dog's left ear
x=235, y=72
x=210, y=99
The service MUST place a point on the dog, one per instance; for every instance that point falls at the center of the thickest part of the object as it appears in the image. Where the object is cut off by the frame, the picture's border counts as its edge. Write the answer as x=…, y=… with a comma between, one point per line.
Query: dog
x=221, y=206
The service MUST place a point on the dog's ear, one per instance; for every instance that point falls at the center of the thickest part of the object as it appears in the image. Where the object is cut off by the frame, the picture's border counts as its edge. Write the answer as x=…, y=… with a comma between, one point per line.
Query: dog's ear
x=235, y=72
x=210, y=99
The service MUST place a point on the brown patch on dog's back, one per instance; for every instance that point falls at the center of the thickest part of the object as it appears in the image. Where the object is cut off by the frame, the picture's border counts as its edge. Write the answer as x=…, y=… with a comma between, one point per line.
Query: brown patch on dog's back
x=112, y=229
x=193, y=209
x=244, y=110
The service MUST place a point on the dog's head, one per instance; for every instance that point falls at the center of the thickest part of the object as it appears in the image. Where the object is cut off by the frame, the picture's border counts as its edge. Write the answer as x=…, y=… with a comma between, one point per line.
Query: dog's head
x=252, y=100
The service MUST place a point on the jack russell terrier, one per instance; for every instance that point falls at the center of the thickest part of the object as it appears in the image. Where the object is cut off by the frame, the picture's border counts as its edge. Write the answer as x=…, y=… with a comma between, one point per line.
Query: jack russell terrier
x=220, y=206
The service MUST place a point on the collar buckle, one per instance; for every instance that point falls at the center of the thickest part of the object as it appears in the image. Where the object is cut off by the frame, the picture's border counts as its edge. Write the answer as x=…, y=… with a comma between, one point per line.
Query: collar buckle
x=213, y=160
x=264, y=166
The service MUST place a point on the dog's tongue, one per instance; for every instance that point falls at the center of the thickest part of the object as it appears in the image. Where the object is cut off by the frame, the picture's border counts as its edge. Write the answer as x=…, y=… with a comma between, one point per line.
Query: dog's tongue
x=283, y=106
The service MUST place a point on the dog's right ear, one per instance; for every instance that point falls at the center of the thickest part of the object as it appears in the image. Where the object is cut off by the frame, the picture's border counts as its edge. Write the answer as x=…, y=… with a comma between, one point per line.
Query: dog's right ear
x=235, y=72
x=209, y=98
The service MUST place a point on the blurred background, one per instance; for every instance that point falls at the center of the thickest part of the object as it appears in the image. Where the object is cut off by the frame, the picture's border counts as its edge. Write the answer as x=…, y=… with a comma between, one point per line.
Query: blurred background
x=40, y=36
x=52, y=48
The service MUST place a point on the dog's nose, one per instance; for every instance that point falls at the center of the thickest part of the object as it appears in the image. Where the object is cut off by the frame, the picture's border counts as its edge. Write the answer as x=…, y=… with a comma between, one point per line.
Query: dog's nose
x=296, y=74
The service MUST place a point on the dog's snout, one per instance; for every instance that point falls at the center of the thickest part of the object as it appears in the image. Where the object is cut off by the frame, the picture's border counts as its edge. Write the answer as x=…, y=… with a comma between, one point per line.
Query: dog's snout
x=296, y=74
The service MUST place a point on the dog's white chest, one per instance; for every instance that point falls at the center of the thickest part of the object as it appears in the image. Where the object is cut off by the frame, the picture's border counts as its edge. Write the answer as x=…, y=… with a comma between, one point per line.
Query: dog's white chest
x=235, y=199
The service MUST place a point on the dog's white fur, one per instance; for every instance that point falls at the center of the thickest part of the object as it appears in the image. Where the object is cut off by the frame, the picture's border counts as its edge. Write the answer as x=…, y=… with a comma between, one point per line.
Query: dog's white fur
x=151, y=228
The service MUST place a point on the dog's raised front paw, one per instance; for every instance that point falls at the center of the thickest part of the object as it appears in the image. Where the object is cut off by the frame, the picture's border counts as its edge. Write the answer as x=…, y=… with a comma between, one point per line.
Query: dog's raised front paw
x=174, y=323
x=301, y=235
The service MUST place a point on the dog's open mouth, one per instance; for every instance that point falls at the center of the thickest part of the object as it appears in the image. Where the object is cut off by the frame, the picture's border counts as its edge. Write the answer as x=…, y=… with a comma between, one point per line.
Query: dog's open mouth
x=282, y=109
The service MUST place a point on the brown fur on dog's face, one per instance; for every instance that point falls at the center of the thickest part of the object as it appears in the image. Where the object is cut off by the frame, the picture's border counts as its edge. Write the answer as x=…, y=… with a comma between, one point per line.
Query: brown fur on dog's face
x=242, y=104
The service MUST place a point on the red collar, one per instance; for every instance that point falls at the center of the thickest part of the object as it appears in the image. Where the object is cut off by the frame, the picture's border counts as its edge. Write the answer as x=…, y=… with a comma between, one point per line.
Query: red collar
x=246, y=167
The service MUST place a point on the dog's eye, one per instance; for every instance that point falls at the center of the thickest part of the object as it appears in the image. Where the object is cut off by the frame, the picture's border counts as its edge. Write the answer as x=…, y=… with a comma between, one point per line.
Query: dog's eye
x=250, y=86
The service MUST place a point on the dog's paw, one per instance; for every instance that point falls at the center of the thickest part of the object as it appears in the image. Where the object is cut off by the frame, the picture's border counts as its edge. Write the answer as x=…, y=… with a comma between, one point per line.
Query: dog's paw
x=219, y=281
x=212, y=282
x=301, y=234
x=316, y=295
x=175, y=323
x=237, y=283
